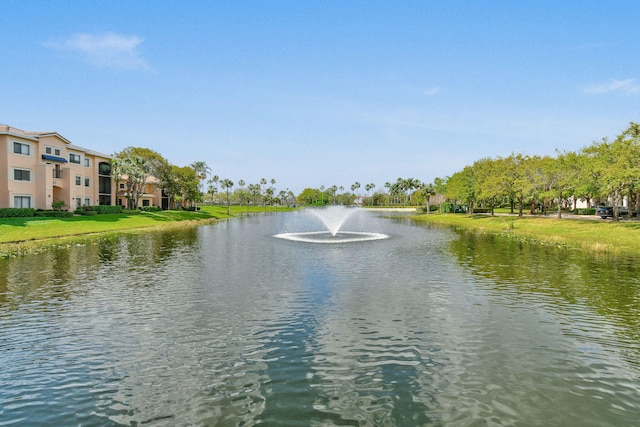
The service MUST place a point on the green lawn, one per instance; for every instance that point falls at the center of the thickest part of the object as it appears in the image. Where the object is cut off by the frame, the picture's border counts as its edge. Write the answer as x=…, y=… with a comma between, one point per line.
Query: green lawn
x=598, y=236
x=24, y=235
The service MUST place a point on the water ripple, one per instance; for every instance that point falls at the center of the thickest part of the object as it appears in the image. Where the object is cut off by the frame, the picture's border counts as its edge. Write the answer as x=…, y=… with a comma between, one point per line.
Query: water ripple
x=227, y=326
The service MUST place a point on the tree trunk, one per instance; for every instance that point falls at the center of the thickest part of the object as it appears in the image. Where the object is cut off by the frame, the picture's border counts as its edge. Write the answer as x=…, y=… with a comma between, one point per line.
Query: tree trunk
x=616, y=204
x=520, y=207
x=560, y=207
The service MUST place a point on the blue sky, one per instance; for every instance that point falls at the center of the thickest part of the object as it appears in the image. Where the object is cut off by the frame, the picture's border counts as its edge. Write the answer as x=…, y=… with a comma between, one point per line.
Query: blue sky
x=322, y=93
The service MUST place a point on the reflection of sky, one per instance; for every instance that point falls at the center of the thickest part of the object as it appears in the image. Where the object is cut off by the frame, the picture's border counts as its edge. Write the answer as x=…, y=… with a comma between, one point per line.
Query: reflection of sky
x=353, y=365
x=235, y=326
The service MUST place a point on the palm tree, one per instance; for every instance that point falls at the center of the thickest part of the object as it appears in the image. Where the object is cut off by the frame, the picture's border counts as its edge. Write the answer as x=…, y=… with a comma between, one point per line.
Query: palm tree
x=369, y=187
x=227, y=184
x=213, y=186
x=243, y=194
x=411, y=184
x=254, y=190
x=332, y=192
x=428, y=190
x=355, y=186
x=263, y=182
x=202, y=169
x=387, y=185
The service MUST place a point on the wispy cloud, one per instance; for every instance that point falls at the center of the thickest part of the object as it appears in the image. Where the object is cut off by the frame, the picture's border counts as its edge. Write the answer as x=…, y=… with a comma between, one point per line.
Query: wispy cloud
x=108, y=50
x=431, y=91
x=627, y=86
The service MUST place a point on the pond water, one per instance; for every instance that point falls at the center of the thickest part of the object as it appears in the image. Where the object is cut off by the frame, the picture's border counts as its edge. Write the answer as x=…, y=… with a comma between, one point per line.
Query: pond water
x=225, y=325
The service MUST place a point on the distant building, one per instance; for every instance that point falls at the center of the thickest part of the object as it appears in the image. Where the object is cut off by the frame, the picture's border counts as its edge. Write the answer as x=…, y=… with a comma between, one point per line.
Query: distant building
x=40, y=168
x=152, y=194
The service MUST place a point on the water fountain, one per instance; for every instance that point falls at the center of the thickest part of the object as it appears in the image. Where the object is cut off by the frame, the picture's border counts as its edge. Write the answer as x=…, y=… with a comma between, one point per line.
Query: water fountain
x=333, y=218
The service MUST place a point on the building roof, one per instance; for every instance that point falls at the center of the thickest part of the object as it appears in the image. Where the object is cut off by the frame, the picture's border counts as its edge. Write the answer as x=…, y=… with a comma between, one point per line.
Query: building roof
x=8, y=130
x=41, y=134
x=87, y=151
x=35, y=136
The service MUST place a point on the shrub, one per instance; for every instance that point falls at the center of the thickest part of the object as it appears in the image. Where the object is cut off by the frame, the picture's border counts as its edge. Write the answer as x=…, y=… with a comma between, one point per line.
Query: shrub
x=432, y=208
x=17, y=212
x=57, y=205
x=101, y=209
x=447, y=207
x=150, y=209
x=131, y=211
x=57, y=214
x=586, y=211
x=105, y=209
x=83, y=210
x=481, y=210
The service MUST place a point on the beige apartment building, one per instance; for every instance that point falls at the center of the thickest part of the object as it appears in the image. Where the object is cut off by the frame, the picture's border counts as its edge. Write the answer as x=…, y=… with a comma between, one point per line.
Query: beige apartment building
x=40, y=168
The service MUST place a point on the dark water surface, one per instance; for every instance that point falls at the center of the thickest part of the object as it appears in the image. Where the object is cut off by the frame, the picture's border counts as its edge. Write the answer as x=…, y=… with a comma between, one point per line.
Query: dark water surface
x=224, y=325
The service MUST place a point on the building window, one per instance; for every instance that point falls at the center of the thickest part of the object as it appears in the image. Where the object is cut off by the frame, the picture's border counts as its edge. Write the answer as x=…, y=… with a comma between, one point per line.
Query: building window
x=78, y=180
x=56, y=151
x=121, y=186
x=87, y=202
x=48, y=150
x=78, y=202
x=104, y=184
x=87, y=182
x=21, y=175
x=21, y=201
x=87, y=162
x=74, y=158
x=145, y=202
x=19, y=148
x=104, y=168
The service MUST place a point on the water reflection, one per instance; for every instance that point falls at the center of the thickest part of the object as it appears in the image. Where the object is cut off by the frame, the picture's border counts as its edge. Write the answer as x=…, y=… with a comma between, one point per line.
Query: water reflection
x=226, y=325
x=596, y=287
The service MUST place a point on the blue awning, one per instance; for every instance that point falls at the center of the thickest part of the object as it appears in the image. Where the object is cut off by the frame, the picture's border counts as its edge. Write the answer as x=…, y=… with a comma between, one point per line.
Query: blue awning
x=54, y=158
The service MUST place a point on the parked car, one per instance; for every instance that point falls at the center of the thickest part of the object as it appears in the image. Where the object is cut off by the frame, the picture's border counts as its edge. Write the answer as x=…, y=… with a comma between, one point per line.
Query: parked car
x=605, y=212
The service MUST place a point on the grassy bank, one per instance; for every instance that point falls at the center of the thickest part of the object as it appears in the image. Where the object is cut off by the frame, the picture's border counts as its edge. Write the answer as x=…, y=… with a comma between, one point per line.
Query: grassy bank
x=28, y=235
x=601, y=237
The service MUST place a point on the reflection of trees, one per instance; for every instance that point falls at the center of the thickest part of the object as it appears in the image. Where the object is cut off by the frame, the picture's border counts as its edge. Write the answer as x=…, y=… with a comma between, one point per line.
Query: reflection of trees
x=46, y=276
x=609, y=287
x=57, y=274
x=147, y=249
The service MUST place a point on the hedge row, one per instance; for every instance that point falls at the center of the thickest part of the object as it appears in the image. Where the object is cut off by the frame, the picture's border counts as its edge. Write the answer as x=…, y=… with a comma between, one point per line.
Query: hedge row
x=57, y=214
x=17, y=212
x=83, y=210
x=95, y=210
x=150, y=209
x=30, y=212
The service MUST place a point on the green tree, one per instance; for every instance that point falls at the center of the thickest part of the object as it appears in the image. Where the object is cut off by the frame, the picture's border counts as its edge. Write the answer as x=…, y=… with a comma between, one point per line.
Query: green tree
x=489, y=182
x=618, y=164
x=559, y=177
x=184, y=185
x=202, y=170
x=461, y=186
x=354, y=187
x=227, y=184
x=427, y=191
x=369, y=187
x=308, y=196
x=135, y=166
